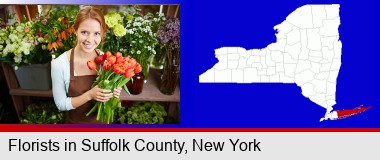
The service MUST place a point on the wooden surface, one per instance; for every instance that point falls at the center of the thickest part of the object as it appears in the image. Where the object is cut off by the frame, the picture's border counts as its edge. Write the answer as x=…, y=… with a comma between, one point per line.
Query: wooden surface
x=151, y=90
x=26, y=92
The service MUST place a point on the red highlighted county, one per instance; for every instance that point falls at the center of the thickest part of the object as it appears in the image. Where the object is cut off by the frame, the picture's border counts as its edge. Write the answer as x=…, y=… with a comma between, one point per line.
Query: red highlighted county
x=342, y=114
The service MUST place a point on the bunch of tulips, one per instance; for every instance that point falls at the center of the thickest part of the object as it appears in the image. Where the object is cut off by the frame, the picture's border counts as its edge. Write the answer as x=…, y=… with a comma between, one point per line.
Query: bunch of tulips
x=115, y=72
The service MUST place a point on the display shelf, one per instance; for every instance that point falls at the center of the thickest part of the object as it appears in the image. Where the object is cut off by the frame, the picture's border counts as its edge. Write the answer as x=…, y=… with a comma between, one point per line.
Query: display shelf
x=26, y=92
x=150, y=91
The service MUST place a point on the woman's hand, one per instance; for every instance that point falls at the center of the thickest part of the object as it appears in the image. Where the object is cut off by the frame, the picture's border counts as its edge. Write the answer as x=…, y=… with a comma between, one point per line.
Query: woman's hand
x=98, y=94
x=116, y=92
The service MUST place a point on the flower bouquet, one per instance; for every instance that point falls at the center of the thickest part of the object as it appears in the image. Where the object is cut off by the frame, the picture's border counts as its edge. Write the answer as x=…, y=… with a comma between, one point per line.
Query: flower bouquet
x=116, y=72
x=16, y=43
x=169, y=36
x=55, y=30
x=133, y=33
x=39, y=40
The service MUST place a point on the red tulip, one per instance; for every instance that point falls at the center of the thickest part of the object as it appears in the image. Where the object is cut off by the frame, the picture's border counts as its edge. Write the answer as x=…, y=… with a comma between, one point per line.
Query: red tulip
x=129, y=73
x=133, y=62
x=118, y=68
x=118, y=54
x=138, y=68
x=107, y=54
x=91, y=65
x=99, y=59
x=129, y=65
x=111, y=59
x=107, y=65
x=120, y=60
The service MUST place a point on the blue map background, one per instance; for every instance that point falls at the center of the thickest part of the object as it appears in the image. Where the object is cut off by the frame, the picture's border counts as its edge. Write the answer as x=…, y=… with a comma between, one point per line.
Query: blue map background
x=208, y=25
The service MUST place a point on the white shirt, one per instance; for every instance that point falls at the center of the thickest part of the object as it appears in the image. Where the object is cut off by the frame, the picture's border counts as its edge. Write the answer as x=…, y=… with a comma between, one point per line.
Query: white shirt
x=60, y=75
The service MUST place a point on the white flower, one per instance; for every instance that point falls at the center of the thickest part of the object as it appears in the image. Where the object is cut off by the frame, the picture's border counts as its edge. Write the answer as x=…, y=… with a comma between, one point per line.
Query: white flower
x=40, y=39
x=26, y=52
x=10, y=48
x=130, y=31
x=13, y=37
x=20, y=29
x=25, y=47
x=138, y=52
x=139, y=19
x=18, y=58
x=137, y=24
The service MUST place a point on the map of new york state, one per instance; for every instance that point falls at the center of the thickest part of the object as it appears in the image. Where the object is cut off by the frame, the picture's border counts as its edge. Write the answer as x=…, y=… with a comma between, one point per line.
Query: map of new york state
x=307, y=52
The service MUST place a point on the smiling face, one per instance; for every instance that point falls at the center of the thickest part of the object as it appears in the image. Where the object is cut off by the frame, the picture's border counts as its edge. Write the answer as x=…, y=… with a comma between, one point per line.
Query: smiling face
x=89, y=35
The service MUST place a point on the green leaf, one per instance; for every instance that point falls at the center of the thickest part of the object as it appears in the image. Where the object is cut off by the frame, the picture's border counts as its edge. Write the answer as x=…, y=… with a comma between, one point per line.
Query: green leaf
x=126, y=90
x=93, y=109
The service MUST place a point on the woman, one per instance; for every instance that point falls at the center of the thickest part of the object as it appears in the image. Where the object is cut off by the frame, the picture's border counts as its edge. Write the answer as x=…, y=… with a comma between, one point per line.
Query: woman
x=71, y=78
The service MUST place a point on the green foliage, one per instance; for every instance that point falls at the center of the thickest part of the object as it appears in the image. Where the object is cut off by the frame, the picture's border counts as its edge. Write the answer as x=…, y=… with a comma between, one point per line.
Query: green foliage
x=55, y=30
x=42, y=113
x=133, y=34
x=39, y=40
x=16, y=43
x=142, y=113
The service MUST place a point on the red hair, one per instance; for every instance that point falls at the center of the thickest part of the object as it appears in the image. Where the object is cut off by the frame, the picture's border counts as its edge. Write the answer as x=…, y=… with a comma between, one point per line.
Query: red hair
x=90, y=12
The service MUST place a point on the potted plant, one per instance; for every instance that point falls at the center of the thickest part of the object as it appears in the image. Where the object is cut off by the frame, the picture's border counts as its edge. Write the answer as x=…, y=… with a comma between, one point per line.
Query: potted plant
x=55, y=30
x=29, y=46
x=42, y=113
x=133, y=33
x=18, y=45
x=142, y=113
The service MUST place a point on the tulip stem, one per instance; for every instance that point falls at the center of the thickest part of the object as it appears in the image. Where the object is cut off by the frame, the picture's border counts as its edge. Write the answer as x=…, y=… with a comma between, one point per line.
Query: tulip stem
x=110, y=75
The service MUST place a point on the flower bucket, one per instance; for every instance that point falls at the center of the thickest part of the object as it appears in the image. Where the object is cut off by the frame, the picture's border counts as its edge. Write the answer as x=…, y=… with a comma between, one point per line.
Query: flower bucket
x=170, y=76
x=34, y=77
